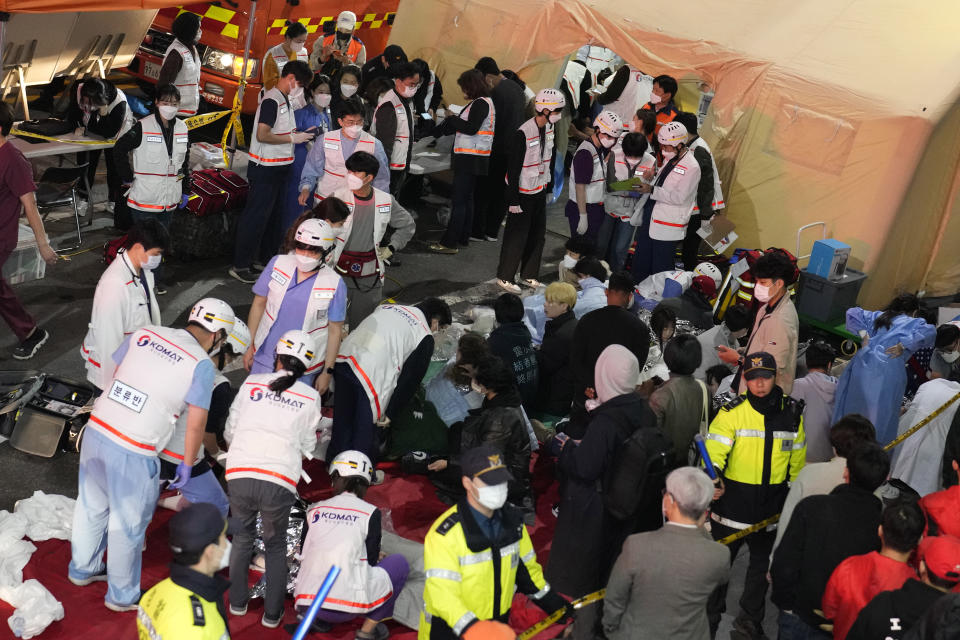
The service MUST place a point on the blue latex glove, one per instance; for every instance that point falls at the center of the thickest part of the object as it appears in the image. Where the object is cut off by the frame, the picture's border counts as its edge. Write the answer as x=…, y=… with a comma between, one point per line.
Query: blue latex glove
x=183, y=475
x=183, y=201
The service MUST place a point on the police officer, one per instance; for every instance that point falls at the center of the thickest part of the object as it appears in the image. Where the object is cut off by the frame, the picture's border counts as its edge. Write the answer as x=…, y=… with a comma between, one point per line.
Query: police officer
x=162, y=373
x=189, y=604
x=478, y=553
x=758, y=446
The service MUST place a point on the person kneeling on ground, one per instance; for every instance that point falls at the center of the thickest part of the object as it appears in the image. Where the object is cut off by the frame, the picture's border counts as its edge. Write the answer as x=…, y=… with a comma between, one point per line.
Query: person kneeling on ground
x=370, y=581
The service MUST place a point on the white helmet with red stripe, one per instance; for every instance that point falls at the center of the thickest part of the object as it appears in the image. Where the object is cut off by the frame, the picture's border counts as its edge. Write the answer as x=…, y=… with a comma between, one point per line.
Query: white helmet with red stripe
x=239, y=337
x=609, y=123
x=672, y=134
x=352, y=463
x=298, y=344
x=550, y=99
x=711, y=270
x=316, y=233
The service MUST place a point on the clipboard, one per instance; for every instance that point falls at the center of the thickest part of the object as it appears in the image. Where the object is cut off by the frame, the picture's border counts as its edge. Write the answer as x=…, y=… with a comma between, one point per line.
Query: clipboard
x=718, y=233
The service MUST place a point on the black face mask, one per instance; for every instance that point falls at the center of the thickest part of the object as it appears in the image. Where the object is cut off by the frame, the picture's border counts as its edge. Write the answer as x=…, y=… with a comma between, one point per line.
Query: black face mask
x=343, y=37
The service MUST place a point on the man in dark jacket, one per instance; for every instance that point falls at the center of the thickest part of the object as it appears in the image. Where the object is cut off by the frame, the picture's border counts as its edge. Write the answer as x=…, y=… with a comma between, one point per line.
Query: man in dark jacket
x=511, y=342
x=824, y=531
x=891, y=614
x=693, y=305
x=597, y=330
x=553, y=357
x=379, y=67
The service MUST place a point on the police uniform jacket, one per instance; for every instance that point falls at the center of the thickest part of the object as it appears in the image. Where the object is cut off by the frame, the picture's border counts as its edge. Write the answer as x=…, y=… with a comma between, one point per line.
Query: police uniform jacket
x=186, y=606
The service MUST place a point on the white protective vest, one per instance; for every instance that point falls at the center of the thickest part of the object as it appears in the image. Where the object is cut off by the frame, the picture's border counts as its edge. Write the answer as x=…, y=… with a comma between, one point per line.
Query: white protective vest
x=635, y=95
x=119, y=287
x=270, y=433
x=146, y=397
x=281, y=58
x=155, y=184
x=382, y=206
x=187, y=80
x=337, y=536
x=173, y=451
x=274, y=155
x=401, y=142
x=718, y=202
x=128, y=119
x=481, y=143
x=315, y=321
x=377, y=349
x=675, y=199
x=535, y=172
x=334, y=176
x=617, y=203
x=598, y=181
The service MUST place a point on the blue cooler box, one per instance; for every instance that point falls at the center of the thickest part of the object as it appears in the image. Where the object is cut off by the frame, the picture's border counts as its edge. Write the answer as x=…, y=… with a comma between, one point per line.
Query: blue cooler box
x=829, y=259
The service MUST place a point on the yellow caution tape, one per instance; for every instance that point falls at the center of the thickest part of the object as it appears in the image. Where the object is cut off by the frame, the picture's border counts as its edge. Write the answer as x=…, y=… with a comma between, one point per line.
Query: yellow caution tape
x=195, y=122
x=18, y=132
x=234, y=124
x=590, y=598
x=743, y=533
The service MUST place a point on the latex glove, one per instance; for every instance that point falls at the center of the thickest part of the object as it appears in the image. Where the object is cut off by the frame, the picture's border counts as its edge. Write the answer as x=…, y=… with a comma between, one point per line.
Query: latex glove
x=183, y=201
x=304, y=196
x=385, y=253
x=183, y=475
x=582, y=225
x=515, y=209
x=301, y=136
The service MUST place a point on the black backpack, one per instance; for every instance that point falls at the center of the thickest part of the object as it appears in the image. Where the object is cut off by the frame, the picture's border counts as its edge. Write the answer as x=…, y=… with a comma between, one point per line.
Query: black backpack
x=640, y=464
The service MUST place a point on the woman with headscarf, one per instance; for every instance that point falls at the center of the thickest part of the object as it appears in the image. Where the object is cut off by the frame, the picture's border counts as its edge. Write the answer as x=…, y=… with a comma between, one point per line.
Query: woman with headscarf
x=587, y=539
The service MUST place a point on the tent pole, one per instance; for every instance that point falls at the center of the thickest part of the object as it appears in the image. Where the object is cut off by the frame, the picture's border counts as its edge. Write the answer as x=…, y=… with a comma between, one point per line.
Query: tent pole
x=4, y=17
x=243, y=73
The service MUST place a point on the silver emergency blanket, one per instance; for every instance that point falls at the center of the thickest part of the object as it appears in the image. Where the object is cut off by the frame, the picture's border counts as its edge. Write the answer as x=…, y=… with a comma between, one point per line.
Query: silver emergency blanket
x=294, y=538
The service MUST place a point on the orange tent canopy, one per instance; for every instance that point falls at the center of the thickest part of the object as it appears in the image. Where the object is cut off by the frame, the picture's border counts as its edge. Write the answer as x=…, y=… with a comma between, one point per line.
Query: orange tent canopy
x=56, y=6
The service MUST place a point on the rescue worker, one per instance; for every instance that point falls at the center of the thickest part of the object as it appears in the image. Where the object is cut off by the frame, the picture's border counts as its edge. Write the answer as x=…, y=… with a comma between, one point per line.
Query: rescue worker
x=345, y=531
x=630, y=160
x=359, y=257
x=758, y=446
x=662, y=102
x=380, y=366
x=125, y=299
x=325, y=169
x=159, y=179
x=298, y=290
x=271, y=154
x=181, y=63
x=161, y=373
x=627, y=91
x=393, y=121
x=709, y=195
x=272, y=426
x=342, y=47
x=673, y=195
x=189, y=604
x=529, y=172
x=292, y=49
x=478, y=553
x=588, y=176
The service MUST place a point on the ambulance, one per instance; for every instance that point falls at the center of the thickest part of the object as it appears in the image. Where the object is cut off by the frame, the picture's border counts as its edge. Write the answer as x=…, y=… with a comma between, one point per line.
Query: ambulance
x=224, y=26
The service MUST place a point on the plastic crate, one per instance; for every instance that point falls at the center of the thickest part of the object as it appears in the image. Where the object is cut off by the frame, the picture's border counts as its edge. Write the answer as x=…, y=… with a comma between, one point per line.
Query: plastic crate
x=827, y=300
x=25, y=263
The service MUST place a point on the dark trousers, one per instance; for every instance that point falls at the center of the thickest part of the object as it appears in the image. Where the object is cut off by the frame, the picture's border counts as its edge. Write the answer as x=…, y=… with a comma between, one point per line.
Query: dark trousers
x=353, y=426
x=247, y=498
x=523, y=239
x=11, y=309
x=491, y=204
x=652, y=256
x=461, y=209
x=752, y=603
x=397, y=180
x=691, y=243
x=264, y=208
x=790, y=626
x=92, y=158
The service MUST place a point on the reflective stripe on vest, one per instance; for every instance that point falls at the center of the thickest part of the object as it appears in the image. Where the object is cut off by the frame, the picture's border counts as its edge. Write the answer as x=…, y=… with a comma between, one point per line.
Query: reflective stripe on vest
x=274, y=154
x=595, y=188
x=535, y=172
x=187, y=80
x=155, y=170
x=401, y=143
x=480, y=143
x=334, y=164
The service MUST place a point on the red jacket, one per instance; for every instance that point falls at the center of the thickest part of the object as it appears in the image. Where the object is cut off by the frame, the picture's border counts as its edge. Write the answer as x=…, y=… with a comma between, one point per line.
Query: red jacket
x=855, y=582
x=943, y=512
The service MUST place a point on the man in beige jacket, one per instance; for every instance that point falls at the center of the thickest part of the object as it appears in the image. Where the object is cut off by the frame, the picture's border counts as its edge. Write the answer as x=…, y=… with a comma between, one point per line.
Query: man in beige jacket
x=776, y=327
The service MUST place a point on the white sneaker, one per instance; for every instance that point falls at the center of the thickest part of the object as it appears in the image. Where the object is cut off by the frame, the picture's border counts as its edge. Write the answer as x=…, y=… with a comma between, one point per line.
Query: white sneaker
x=533, y=283
x=509, y=287
x=235, y=611
x=378, y=476
x=108, y=207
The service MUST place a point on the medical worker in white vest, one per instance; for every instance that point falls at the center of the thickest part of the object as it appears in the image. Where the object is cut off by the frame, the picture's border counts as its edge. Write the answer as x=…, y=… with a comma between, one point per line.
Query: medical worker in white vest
x=158, y=181
x=181, y=63
x=673, y=195
x=125, y=299
x=380, y=366
x=359, y=257
x=529, y=172
x=271, y=154
x=325, y=170
x=162, y=373
x=292, y=49
x=297, y=290
x=588, y=177
x=393, y=121
x=472, y=146
x=345, y=531
x=272, y=426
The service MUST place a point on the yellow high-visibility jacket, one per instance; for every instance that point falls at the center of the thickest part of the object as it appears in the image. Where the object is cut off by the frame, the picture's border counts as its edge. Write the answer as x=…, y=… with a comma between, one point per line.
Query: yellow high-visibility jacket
x=169, y=611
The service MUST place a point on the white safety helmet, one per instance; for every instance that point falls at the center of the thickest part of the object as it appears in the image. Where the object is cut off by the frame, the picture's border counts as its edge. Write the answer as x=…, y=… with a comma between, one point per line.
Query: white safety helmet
x=672, y=133
x=352, y=463
x=213, y=315
x=551, y=99
x=709, y=269
x=609, y=123
x=298, y=344
x=347, y=20
x=316, y=233
x=239, y=337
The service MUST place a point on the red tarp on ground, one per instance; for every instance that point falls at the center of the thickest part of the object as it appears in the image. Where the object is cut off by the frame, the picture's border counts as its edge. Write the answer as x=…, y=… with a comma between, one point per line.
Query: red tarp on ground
x=56, y=6
x=412, y=506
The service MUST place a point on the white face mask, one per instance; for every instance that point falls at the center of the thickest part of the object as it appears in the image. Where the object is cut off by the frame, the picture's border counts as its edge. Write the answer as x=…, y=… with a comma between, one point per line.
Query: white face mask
x=492, y=497
x=225, y=558
x=476, y=387
x=668, y=155
x=606, y=142
x=306, y=263
x=322, y=100
x=348, y=90
x=554, y=118
x=655, y=99
x=408, y=92
x=167, y=112
x=152, y=262
x=569, y=261
x=353, y=130
x=633, y=126
x=950, y=356
x=761, y=293
x=296, y=92
x=354, y=182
